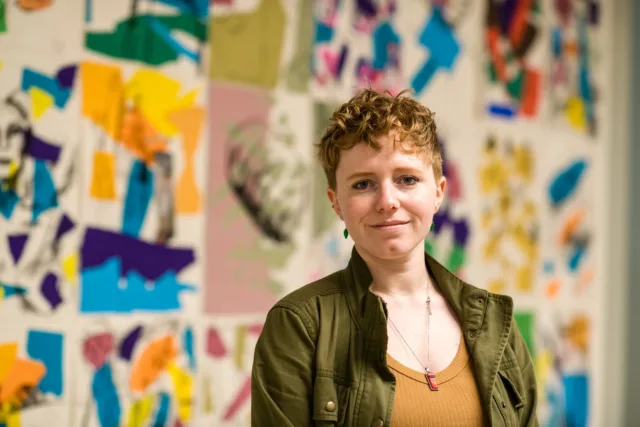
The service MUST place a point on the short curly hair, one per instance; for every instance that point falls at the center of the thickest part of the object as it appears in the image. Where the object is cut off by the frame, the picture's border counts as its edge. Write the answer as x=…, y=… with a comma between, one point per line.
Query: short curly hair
x=369, y=115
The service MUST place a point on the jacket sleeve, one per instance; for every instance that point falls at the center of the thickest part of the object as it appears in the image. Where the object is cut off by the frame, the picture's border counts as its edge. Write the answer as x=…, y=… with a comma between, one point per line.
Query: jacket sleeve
x=281, y=379
x=529, y=417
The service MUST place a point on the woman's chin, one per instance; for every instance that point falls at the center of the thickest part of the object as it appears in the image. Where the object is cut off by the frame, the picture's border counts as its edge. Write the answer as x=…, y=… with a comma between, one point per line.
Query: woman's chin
x=395, y=248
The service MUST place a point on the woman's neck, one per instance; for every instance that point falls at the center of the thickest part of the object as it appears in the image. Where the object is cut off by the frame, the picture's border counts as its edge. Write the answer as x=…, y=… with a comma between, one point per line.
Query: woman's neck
x=403, y=277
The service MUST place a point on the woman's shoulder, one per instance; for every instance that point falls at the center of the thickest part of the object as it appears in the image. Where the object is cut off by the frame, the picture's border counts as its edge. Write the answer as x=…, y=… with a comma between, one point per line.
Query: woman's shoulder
x=329, y=285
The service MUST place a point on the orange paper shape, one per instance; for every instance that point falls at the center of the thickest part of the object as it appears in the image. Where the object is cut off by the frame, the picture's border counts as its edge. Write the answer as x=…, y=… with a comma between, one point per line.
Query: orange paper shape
x=139, y=137
x=103, y=176
x=189, y=122
x=33, y=5
x=103, y=96
x=22, y=376
x=154, y=359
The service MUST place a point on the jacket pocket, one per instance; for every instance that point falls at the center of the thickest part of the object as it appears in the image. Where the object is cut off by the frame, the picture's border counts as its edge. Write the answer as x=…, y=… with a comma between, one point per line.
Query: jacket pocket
x=508, y=396
x=330, y=402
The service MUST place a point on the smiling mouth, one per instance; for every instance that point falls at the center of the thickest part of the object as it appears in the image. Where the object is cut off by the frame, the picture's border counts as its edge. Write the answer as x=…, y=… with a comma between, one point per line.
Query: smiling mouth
x=390, y=225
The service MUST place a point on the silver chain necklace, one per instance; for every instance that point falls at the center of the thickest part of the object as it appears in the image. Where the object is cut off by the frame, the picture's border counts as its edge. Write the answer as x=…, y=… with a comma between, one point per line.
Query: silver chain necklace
x=430, y=376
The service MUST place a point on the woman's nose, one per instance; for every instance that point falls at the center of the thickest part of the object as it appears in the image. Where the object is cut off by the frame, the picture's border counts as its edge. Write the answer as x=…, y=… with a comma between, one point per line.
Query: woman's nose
x=387, y=198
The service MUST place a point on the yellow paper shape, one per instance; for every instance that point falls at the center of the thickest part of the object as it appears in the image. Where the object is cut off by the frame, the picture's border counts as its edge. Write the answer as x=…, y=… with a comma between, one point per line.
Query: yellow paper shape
x=544, y=364
x=14, y=166
x=1, y=65
x=524, y=278
x=13, y=419
x=156, y=95
x=189, y=122
x=208, y=398
x=492, y=176
x=70, y=268
x=103, y=176
x=183, y=389
x=578, y=333
x=246, y=47
x=103, y=96
x=140, y=411
x=8, y=355
x=523, y=162
x=41, y=101
x=575, y=113
x=241, y=339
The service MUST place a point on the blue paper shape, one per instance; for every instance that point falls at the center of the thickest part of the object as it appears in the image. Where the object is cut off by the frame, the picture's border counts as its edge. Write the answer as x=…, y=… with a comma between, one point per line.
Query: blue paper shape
x=46, y=347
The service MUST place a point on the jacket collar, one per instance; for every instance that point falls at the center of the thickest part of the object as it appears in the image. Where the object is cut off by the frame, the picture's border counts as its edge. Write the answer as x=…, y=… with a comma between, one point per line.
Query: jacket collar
x=468, y=302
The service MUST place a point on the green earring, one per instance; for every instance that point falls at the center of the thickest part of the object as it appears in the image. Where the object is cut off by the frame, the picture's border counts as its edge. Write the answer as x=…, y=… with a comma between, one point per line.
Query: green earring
x=432, y=224
x=346, y=233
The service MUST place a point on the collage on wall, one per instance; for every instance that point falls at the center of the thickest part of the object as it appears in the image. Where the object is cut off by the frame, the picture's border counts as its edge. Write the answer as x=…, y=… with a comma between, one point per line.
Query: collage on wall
x=159, y=191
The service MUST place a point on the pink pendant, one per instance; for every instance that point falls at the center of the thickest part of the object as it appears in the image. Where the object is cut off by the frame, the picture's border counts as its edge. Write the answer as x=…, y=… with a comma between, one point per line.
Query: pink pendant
x=431, y=380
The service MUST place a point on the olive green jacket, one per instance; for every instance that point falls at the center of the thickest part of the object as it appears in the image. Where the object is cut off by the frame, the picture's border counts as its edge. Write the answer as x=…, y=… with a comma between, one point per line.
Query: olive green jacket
x=321, y=357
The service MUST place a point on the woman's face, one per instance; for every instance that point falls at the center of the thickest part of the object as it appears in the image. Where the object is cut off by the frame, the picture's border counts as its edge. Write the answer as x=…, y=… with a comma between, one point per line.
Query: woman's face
x=386, y=199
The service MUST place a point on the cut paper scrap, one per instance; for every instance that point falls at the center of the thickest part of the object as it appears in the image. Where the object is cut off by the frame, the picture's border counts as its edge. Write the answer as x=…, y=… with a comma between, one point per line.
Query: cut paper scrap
x=439, y=39
x=246, y=47
x=104, y=290
x=118, y=276
x=69, y=266
x=41, y=101
x=566, y=182
x=149, y=39
x=103, y=176
x=47, y=348
x=155, y=358
x=138, y=198
x=20, y=375
x=576, y=396
x=3, y=19
x=97, y=348
x=189, y=122
x=59, y=86
x=34, y=5
x=105, y=395
x=139, y=136
x=103, y=97
x=241, y=398
x=526, y=325
x=215, y=345
x=140, y=411
x=183, y=390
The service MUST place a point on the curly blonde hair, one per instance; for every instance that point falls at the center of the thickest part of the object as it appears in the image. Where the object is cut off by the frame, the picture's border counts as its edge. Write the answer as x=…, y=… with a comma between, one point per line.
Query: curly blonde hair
x=369, y=115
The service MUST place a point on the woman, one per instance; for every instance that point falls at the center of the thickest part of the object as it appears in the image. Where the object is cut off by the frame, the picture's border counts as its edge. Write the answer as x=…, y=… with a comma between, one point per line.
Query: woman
x=395, y=338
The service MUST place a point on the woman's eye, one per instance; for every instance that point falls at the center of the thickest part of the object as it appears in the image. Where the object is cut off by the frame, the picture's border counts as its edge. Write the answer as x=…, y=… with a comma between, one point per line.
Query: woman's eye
x=361, y=185
x=409, y=180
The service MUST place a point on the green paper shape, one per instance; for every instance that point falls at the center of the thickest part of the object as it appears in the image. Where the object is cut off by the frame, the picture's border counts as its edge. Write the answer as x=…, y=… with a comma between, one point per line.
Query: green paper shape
x=457, y=258
x=526, y=324
x=430, y=247
x=3, y=17
x=346, y=233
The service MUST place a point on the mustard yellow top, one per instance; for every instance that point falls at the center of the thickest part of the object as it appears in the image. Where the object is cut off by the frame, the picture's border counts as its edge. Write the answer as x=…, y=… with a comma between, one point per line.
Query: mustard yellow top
x=456, y=404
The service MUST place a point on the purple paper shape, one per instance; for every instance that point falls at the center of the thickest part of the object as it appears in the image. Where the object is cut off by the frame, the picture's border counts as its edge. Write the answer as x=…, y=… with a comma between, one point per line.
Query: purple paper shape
x=147, y=259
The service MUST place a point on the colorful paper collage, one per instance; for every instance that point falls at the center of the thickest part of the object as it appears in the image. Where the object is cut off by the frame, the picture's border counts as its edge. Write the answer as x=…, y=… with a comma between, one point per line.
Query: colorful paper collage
x=38, y=195
x=575, y=63
x=510, y=216
x=513, y=59
x=137, y=375
x=159, y=191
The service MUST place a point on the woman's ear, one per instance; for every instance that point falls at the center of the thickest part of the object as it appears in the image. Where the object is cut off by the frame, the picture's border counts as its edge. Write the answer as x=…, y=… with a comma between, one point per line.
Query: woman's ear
x=441, y=185
x=333, y=198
